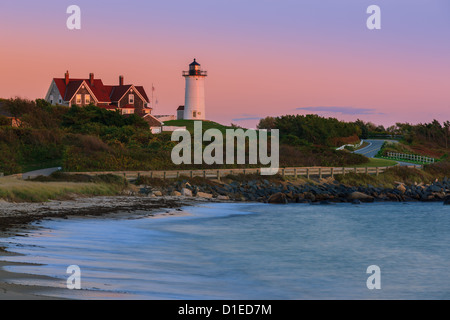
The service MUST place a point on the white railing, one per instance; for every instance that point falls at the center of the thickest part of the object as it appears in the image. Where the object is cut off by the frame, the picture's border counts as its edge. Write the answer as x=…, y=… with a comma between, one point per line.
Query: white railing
x=411, y=157
x=356, y=146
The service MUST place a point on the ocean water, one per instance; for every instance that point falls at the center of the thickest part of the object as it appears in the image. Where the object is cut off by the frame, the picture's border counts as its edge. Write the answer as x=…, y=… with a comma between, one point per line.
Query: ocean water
x=247, y=251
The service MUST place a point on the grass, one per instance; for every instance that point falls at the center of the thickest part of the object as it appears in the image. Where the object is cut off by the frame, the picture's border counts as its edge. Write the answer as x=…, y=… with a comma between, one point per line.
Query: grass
x=392, y=176
x=418, y=150
x=17, y=190
x=403, y=160
x=375, y=162
x=189, y=124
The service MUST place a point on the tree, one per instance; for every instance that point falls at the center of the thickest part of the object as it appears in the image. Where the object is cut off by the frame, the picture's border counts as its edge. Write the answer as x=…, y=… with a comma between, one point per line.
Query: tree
x=18, y=107
x=267, y=123
x=447, y=133
x=4, y=121
x=364, y=129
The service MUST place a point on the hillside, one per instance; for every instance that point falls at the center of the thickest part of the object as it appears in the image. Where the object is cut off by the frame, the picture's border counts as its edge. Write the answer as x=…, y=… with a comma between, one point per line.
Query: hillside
x=95, y=139
x=189, y=124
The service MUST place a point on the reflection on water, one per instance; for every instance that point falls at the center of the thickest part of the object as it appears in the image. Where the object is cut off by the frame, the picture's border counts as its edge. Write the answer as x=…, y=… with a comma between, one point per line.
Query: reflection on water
x=249, y=251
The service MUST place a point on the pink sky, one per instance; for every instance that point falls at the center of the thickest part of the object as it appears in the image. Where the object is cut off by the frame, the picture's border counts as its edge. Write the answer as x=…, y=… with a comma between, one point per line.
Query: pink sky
x=263, y=57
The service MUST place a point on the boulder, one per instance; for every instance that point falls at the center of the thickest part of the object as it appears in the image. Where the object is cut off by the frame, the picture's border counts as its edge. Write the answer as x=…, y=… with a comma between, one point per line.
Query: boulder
x=447, y=200
x=223, y=198
x=360, y=196
x=204, y=195
x=309, y=196
x=401, y=188
x=157, y=193
x=278, y=198
x=434, y=188
x=186, y=192
x=176, y=193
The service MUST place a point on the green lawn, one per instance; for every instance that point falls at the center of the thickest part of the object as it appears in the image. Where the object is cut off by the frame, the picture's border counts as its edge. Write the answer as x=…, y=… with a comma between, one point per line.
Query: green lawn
x=377, y=163
x=189, y=124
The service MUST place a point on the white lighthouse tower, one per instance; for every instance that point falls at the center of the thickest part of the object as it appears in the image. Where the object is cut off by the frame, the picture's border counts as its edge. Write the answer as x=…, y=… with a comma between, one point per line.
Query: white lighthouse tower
x=194, y=103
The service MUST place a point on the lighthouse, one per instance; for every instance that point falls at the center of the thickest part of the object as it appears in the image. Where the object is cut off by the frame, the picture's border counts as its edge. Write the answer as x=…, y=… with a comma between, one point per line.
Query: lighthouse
x=194, y=103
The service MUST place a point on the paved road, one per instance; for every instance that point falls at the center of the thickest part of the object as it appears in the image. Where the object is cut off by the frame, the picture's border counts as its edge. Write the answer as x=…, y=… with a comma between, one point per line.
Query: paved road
x=42, y=172
x=372, y=149
x=374, y=146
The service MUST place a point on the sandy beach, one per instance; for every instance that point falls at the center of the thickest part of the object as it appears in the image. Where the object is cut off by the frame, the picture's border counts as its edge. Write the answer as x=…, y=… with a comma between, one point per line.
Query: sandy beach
x=15, y=217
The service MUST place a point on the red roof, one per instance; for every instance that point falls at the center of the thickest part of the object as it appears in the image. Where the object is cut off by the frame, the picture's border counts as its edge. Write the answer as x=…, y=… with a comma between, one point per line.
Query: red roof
x=142, y=92
x=103, y=93
x=117, y=92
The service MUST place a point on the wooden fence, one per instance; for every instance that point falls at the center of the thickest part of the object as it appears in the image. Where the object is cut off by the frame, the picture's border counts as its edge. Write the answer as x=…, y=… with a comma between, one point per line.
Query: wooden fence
x=306, y=172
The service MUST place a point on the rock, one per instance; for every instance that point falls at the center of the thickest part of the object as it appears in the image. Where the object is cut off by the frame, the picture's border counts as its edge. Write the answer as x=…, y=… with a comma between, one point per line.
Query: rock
x=356, y=201
x=434, y=188
x=223, y=198
x=186, y=192
x=157, y=193
x=278, y=198
x=309, y=196
x=447, y=200
x=401, y=188
x=204, y=195
x=176, y=193
x=360, y=196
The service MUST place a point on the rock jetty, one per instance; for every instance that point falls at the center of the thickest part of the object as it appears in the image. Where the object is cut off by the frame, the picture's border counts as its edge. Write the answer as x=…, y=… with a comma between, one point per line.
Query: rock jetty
x=289, y=192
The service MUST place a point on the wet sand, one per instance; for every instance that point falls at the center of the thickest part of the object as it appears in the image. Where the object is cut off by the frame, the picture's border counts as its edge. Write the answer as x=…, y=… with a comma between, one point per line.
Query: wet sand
x=10, y=291
x=15, y=217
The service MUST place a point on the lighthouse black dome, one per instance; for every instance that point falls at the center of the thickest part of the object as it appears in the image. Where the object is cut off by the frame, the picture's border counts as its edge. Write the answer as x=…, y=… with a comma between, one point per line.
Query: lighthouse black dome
x=195, y=63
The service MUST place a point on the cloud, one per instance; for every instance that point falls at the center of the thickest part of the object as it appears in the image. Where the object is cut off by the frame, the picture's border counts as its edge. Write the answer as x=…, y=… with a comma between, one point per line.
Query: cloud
x=246, y=117
x=342, y=110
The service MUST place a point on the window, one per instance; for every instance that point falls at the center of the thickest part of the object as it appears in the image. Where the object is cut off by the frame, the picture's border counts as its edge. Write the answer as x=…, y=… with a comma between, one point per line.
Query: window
x=51, y=99
x=87, y=99
x=78, y=99
x=194, y=114
x=131, y=98
x=60, y=100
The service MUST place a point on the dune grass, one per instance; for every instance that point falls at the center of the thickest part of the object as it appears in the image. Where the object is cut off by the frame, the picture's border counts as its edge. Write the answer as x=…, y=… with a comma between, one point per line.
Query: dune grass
x=394, y=175
x=17, y=190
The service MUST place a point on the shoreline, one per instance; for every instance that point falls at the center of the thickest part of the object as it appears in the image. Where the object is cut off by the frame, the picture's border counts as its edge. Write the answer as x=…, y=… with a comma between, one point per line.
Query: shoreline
x=165, y=201
x=18, y=217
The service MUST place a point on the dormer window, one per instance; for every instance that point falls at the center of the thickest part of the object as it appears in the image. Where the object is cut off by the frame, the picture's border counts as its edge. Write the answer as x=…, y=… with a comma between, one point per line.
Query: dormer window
x=131, y=98
x=87, y=99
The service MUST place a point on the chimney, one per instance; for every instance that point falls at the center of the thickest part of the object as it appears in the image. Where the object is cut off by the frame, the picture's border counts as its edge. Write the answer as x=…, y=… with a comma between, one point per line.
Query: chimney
x=121, y=80
x=67, y=77
x=91, y=79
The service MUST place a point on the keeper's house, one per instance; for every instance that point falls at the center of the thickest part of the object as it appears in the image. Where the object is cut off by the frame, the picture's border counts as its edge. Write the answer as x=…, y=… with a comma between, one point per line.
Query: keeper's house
x=127, y=98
